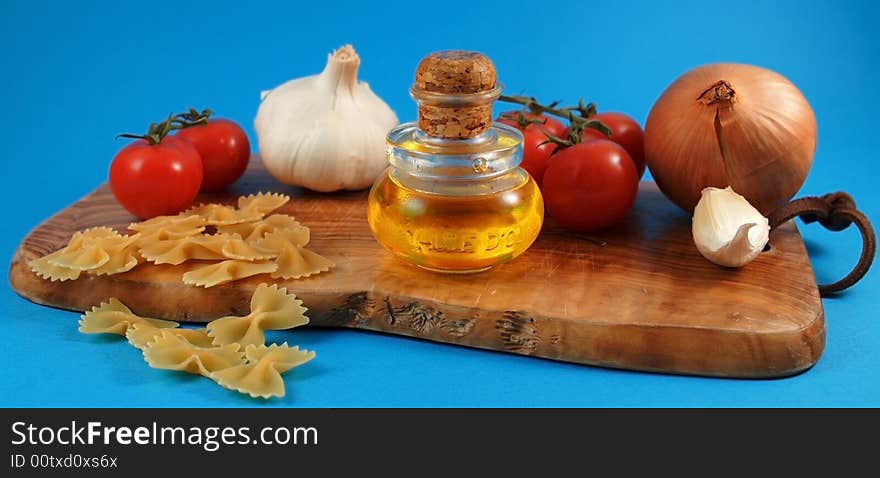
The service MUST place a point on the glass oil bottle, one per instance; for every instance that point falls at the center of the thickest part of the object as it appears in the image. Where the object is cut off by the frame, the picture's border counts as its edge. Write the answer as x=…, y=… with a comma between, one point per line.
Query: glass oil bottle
x=454, y=198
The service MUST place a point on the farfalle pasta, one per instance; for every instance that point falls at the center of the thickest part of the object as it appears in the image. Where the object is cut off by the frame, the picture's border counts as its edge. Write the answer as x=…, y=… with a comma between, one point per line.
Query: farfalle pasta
x=277, y=240
x=238, y=248
x=262, y=203
x=227, y=271
x=46, y=270
x=178, y=251
x=170, y=227
x=261, y=375
x=172, y=352
x=231, y=350
x=294, y=261
x=124, y=253
x=254, y=231
x=44, y=267
x=85, y=251
x=272, y=308
x=142, y=335
x=241, y=241
x=113, y=317
x=297, y=262
x=221, y=215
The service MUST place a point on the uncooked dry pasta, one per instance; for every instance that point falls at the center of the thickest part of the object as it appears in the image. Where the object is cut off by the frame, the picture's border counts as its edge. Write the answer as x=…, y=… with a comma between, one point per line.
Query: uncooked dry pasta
x=272, y=308
x=255, y=371
x=238, y=248
x=85, y=250
x=261, y=375
x=241, y=242
x=178, y=251
x=279, y=239
x=87, y=258
x=221, y=215
x=113, y=317
x=141, y=335
x=262, y=203
x=294, y=261
x=254, y=231
x=98, y=232
x=46, y=270
x=124, y=254
x=170, y=227
x=227, y=271
x=172, y=352
x=297, y=262
x=180, y=221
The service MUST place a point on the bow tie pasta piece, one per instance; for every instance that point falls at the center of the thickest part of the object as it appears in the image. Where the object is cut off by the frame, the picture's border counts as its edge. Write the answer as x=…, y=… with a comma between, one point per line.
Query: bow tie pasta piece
x=142, y=335
x=87, y=258
x=262, y=203
x=295, y=262
x=280, y=239
x=46, y=266
x=173, y=352
x=237, y=248
x=254, y=231
x=114, y=317
x=222, y=215
x=227, y=271
x=272, y=308
x=261, y=376
x=170, y=227
x=46, y=270
x=182, y=220
x=85, y=250
x=96, y=233
x=123, y=252
x=178, y=251
x=122, y=262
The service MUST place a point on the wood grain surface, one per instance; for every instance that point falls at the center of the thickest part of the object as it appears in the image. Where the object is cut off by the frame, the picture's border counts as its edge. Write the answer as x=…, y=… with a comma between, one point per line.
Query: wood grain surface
x=646, y=300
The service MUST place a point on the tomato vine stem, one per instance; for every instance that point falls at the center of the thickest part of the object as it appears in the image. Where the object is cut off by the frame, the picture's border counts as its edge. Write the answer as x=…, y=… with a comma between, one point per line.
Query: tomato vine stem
x=193, y=117
x=155, y=132
x=578, y=118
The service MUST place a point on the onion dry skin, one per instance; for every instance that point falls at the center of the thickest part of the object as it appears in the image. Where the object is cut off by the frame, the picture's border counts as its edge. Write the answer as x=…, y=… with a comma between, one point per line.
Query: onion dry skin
x=729, y=124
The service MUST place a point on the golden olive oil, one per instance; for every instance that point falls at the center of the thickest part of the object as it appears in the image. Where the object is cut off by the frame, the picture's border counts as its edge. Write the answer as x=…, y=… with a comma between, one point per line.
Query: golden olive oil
x=455, y=233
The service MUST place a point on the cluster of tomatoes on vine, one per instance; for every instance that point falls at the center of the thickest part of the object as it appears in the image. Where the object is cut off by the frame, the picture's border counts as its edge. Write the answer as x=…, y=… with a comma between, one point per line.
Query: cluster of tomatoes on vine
x=588, y=171
x=162, y=173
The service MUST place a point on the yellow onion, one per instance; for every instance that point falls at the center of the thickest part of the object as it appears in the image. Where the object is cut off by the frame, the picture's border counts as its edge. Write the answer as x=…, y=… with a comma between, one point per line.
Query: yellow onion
x=734, y=125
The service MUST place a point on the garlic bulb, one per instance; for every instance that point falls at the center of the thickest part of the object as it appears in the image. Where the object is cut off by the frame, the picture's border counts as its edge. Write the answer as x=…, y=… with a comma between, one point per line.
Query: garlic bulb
x=727, y=229
x=325, y=132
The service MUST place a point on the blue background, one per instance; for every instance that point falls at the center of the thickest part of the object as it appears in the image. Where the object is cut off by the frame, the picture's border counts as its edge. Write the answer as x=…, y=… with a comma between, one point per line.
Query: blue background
x=73, y=74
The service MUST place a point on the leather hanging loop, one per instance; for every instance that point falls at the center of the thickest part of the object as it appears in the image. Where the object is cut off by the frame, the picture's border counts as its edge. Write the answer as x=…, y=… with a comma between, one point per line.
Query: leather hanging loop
x=834, y=211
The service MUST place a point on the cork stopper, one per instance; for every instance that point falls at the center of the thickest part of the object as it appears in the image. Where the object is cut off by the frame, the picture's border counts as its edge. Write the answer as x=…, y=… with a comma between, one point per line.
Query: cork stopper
x=455, y=90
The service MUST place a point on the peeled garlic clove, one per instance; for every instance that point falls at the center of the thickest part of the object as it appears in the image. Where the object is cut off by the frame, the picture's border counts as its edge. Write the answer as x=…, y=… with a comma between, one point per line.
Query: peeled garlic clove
x=727, y=229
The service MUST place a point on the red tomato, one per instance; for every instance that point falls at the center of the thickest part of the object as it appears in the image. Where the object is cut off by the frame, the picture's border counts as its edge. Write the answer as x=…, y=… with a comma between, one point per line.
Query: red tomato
x=590, y=185
x=153, y=180
x=224, y=149
x=551, y=125
x=536, y=156
x=626, y=132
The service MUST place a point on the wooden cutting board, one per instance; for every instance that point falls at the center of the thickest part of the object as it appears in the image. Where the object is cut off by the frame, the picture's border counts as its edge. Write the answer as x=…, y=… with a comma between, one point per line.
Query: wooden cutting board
x=646, y=300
